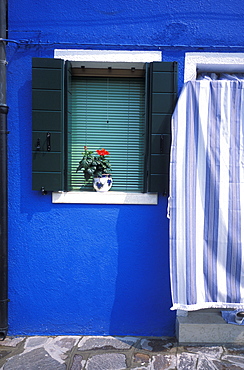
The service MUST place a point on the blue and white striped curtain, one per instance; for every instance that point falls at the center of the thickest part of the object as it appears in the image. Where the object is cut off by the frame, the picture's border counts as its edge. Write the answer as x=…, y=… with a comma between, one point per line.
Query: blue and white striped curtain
x=206, y=201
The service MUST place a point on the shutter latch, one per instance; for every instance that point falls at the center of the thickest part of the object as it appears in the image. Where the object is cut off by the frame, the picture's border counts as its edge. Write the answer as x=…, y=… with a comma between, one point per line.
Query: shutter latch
x=48, y=141
x=38, y=144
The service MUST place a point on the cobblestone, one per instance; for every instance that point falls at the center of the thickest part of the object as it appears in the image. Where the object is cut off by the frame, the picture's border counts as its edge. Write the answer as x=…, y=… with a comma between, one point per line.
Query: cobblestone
x=114, y=353
x=92, y=343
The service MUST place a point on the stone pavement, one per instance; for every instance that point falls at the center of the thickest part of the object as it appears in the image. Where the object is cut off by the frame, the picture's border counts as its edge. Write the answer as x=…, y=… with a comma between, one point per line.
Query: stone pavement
x=114, y=353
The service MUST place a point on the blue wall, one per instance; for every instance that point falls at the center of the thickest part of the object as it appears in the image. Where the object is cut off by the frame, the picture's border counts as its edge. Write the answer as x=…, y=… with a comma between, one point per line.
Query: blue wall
x=95, y=269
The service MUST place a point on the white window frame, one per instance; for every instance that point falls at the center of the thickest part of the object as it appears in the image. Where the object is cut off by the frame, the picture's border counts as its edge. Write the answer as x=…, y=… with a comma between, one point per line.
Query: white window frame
x=218, y=62
x=75, y=56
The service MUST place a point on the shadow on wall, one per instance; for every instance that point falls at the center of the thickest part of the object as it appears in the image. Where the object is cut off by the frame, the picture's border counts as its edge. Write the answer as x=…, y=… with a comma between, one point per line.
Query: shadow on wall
x=31, y=202
x=142, y=296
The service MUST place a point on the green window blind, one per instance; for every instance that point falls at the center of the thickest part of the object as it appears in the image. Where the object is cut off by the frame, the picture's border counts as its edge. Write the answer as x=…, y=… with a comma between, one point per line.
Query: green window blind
x=109, y=112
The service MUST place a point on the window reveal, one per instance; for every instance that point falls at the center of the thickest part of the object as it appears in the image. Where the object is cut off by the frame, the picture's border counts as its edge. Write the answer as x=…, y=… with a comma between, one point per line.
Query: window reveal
x=109, y=112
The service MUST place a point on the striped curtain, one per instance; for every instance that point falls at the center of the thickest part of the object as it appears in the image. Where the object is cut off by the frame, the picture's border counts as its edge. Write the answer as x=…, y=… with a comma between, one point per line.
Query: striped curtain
x=206, y=203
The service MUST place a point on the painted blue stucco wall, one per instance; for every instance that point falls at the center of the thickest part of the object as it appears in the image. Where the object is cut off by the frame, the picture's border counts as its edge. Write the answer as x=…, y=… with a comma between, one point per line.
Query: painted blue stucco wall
x=95, y=269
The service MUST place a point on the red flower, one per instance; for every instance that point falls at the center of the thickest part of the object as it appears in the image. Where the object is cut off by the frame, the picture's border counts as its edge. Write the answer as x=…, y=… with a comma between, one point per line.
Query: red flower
x=102, y=152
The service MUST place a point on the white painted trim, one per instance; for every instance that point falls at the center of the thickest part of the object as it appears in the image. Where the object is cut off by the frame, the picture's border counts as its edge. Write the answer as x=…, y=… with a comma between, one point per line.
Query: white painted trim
x=108, y=55
x=192, y=60
x=111, y=56
x=110, y=197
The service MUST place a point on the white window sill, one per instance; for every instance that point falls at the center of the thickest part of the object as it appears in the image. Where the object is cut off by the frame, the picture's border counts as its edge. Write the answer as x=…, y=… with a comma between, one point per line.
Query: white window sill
x=110, y=197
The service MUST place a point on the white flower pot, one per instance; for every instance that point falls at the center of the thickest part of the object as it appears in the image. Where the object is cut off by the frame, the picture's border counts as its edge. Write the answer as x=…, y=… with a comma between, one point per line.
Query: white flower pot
x=103, y=183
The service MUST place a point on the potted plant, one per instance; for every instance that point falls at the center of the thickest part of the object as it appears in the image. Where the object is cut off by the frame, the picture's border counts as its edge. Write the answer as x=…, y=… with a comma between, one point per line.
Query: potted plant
x=96, y=167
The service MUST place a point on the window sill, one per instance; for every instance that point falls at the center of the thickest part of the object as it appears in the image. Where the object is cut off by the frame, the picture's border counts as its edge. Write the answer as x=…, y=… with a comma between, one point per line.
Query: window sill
x=110, y=197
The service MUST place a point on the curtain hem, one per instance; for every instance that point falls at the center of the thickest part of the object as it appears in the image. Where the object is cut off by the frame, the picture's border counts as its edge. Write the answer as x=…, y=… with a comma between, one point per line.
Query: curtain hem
x=196, y=307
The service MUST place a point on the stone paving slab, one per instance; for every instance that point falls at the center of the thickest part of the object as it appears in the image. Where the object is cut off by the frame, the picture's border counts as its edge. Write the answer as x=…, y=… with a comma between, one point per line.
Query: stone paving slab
x=114, y=353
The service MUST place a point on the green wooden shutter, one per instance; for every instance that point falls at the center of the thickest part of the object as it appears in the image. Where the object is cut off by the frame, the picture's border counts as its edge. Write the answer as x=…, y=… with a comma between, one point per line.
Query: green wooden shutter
x=67, y=121
x=162, y=86
x=108, y=112
x=47, y=124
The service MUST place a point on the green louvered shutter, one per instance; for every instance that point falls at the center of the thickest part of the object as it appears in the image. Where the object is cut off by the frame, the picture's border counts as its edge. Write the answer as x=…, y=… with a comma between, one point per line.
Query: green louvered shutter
x=162, y=87
x=67, y=121
x=109, y=112
x=48, y=124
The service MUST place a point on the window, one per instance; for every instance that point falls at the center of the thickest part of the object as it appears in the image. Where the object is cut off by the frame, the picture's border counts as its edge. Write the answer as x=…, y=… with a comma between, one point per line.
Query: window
x=53, y=123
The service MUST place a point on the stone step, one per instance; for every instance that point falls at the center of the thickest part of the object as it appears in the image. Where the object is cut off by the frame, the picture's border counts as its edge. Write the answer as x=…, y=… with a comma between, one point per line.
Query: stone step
x=207, y=327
